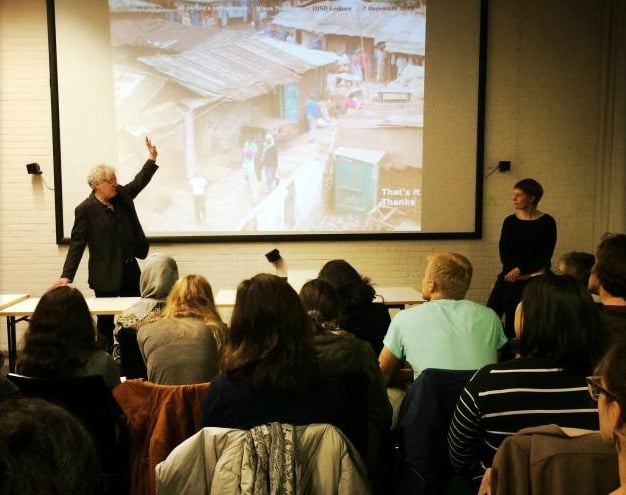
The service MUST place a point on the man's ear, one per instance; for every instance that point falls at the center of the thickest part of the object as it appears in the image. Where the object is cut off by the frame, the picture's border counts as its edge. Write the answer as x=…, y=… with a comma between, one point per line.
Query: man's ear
x=433, y=286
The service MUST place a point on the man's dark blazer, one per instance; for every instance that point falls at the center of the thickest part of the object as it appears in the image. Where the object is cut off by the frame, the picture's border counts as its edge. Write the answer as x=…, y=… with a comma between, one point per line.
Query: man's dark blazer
x=93, y=229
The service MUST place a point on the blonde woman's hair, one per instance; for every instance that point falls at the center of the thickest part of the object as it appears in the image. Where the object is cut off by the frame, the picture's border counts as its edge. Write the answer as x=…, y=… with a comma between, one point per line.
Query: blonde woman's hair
x=452, y=273
x=192, y=296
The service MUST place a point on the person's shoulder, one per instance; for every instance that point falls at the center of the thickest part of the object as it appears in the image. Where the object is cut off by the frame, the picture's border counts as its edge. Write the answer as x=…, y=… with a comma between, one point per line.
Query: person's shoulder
x=487, y=373
x=342, y=342
x=127, y=319
x=510, y=219
x=152, y=327
x=87, y=203
x=478, y=308
x=547, y=218
x=98, y=361
x=413, y=312
x=221, y=385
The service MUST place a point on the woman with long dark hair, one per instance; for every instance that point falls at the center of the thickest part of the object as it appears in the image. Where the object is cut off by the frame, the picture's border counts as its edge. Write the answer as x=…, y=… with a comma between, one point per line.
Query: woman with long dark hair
x=269, y=370
x=561, y=340
x=61, y=340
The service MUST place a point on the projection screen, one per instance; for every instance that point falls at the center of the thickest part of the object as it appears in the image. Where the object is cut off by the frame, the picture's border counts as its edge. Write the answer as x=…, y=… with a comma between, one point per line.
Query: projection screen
x=340, y=119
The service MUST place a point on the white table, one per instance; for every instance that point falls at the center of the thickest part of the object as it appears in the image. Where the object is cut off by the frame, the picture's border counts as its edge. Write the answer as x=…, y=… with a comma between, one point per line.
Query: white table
x=398, y=296
x=10, y=299
x=390, y=296
x=25, y=307
x=7, y=300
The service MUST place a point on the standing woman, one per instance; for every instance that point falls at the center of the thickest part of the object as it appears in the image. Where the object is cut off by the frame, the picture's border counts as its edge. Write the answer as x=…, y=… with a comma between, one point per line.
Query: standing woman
x=526, y=246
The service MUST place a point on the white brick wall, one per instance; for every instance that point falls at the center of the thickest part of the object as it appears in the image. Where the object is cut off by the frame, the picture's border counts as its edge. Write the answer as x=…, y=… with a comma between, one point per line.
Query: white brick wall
x=539, y=116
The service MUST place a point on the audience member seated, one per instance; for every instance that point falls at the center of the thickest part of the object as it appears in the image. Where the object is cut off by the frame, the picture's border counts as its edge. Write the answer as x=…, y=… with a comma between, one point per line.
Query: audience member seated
x=577, y=264
x=182, y=346
x=341, y=353
x=269, y=371
x=608, y=280
x=561, y=340
x=359, y=314
x=158, y=276
x=44, y=450
x=60, y=341
x=447, y=331
x=608, y=388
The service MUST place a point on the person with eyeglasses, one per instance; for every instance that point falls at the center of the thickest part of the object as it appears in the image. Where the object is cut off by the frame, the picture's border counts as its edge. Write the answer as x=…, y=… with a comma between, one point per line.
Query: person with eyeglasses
x=561, y=339
x=107, y=223
x=608, y=388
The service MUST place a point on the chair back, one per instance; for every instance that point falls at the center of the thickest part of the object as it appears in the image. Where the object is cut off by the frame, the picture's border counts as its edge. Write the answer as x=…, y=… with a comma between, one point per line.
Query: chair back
x=132, y=363
x=421, y=434
x=91, y=401
x=224, y=460
x=559, y=461
x=357, y=403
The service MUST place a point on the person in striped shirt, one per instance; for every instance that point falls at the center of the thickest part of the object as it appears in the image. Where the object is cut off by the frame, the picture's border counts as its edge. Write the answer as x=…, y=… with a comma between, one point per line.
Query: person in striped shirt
x=561, y=339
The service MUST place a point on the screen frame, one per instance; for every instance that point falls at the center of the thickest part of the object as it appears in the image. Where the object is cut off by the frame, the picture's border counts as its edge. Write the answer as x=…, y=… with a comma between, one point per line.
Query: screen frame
x=476, y=233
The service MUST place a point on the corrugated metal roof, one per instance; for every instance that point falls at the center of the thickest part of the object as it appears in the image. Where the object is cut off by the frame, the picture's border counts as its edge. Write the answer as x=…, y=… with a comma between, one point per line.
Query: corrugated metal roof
x=402, y=30
x=168, y=36
x=241, y=70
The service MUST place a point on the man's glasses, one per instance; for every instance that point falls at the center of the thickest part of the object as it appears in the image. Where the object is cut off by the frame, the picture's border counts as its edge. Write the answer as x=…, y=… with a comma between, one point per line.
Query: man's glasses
x=595, y=388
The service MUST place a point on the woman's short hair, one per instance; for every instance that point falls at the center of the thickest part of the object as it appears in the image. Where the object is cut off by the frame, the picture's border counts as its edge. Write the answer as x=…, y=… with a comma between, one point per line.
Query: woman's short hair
x=353, y=289
x=45, y=449
x=99, y=173
x=192, y=295
x=452, y=272
x=61, y=335
x=531, y=188
x=610, y=267
x=561, y=321
x=269, y=345
x=320, y=301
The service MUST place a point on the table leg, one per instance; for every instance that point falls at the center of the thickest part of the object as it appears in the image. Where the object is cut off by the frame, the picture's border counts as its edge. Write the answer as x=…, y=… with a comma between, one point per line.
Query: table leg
x=11, y=341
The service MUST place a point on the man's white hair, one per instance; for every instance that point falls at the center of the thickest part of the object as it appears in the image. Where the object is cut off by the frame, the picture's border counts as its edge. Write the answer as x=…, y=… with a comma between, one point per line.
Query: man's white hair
x=99, y=173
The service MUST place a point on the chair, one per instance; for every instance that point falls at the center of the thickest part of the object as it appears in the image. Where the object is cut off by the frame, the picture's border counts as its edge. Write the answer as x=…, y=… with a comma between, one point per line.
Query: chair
x=420, y=438
x=225, y=460
x=132, y=363
x=89, y=399
x=559, y=461
x=159, y=418
x=356, y=385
